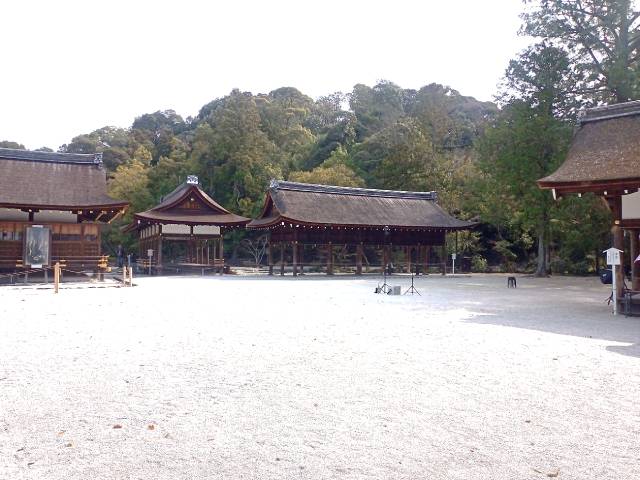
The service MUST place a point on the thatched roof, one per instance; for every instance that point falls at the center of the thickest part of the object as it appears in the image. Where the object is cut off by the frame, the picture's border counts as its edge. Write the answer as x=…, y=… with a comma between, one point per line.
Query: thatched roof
x=308, y=204
x=605, y=152
x=54, y=181
x=188, y=204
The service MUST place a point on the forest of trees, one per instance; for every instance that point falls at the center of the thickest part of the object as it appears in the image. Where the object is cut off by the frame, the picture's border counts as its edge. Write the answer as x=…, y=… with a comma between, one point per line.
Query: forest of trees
x=482, y=158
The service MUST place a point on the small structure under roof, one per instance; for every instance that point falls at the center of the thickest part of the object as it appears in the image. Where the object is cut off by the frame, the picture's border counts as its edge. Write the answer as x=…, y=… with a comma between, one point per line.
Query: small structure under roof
x=191, y=217
x=604, y=158
x=299, y=214
x=62, y=195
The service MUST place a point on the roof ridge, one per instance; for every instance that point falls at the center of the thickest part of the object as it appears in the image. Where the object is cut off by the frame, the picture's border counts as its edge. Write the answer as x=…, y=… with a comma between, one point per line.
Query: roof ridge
x=355, y=191
x=607, y=112
x=50, y=157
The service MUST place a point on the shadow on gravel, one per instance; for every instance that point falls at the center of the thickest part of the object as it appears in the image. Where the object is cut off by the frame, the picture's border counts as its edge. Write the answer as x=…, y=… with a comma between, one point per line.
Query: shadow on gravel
x=630, y=350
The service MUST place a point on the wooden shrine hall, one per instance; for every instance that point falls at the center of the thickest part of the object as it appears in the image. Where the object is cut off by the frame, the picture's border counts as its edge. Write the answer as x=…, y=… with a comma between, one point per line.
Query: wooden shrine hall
x=191, y=218
x=604, y=159
x=52, y=206
x=329, y=218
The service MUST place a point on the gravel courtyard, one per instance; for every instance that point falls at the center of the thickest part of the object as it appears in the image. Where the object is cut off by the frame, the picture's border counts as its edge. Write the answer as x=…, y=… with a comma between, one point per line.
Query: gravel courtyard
x=318, y=378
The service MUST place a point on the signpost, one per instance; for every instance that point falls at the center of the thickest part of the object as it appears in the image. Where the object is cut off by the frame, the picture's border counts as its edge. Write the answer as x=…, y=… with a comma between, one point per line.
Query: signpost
x=453, y=261
x=613, y=259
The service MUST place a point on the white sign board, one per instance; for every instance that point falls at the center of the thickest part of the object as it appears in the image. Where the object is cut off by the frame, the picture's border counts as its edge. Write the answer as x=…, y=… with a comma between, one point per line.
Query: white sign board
x=150, y=253
x=613, y=256
x=454, y=256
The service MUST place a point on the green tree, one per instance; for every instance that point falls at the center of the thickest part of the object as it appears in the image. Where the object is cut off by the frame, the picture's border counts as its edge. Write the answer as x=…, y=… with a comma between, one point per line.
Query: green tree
x=234, y=157
x=528, y=142
x=114, y=143
x=376, y=108
x=400, y=156
x=336, y=170
x=170, y=171
x=131, y=183
x=603, y=38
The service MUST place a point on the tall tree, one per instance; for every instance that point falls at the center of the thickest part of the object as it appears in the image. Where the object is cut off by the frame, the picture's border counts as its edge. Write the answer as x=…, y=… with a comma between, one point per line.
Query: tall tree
x=528, y=141
x=603, y=38
x=235, y=158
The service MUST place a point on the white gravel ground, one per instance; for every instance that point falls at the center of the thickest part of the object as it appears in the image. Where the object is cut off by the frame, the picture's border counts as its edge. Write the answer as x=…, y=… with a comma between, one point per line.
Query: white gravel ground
x=316, y=378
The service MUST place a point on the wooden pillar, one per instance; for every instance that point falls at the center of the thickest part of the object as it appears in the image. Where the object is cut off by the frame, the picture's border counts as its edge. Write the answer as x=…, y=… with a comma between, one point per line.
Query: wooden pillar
x=635, y=267
x=270, y=254
x=330, y=259
x=359, y=259
x=294, y=247
x=221, y=253
x=443, y=253
x=282, y=258
x=301, y=258
x=159, y=266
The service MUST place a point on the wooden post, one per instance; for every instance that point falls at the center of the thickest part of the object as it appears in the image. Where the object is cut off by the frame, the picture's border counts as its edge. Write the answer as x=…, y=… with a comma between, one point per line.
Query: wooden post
x=444, y=259
x=301, y=258
x=294, y=252
x=330, y=259
x=159, y=264
x=635, y=267
x=56, y=277
x=359, y=259
x=282, y=258
x=221, y=253
x=270, y=255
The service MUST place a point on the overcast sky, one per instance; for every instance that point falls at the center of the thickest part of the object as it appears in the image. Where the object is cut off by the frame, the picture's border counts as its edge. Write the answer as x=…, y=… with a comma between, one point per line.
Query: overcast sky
x=71, y=67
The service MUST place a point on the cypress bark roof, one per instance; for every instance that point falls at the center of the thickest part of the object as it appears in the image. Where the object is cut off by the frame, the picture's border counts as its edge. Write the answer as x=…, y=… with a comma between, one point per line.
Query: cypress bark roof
x=310, y=204
x=605, y=151
x=189, y=204
x=55, y=181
